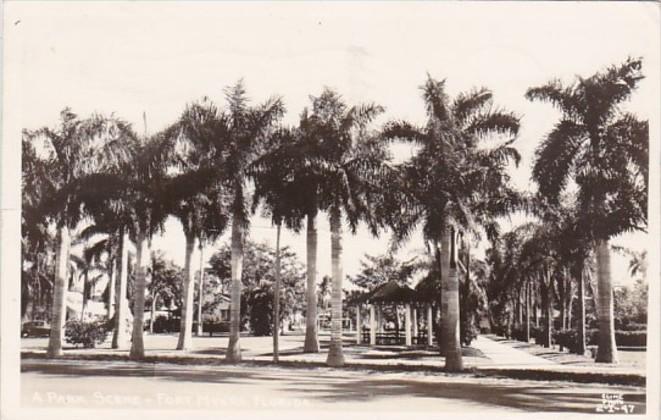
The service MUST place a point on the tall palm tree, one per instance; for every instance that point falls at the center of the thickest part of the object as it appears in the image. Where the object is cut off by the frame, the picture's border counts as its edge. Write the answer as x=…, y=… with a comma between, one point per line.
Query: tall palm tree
x=605, y=151
x=37, y=242
x=201, y=207
x=75, y=149
x=308, y=178
x=85, y=265
x=135, y=194
x=110, y=222
x=276, y=189
x=235, y=139
x=348, y=159
x=451, y=184
x=201, y=215
x=144, y=192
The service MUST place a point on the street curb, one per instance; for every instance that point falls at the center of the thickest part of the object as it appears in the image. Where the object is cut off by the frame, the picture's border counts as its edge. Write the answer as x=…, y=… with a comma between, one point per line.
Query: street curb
x=631, y=379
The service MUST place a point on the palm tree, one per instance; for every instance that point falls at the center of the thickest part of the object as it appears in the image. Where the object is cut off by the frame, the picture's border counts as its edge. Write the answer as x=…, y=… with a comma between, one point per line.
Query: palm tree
x=451, y=185
x=201, y=207
x=111, y=222
x=85, y=265
x=605, y=151
x=37, y=242
x=308, y=175
x=134, y=193
x=348, y=159
x=276, y=189
x=228, y=146
x=75, y=149
x=144, y=193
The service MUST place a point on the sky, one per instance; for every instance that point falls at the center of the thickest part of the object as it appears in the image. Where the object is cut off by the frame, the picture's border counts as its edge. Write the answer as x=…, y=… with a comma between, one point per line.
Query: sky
x=128, y=58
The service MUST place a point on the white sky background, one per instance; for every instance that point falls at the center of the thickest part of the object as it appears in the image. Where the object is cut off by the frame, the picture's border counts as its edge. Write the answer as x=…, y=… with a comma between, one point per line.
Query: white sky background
x=155, y=57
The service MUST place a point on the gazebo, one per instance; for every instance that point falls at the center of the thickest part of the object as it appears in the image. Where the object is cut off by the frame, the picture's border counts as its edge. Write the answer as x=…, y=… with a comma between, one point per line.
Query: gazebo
x=392, y=293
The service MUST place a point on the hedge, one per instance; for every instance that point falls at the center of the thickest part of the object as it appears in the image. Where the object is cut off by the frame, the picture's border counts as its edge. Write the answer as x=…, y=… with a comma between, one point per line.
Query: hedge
x=569, y=338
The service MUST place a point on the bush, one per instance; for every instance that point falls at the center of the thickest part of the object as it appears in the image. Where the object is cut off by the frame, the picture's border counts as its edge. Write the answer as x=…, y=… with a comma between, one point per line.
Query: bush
x=89, y=334
x=569, y=338
x=633, y=326
x=537, y=333
x=500, y=330
x=519, y=333
x=631, y=338
x=468, y=330
x=164, y=324
x=216, y=327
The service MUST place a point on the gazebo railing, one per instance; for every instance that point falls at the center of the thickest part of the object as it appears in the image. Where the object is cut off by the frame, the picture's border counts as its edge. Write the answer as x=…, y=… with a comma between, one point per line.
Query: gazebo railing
x=393, y=338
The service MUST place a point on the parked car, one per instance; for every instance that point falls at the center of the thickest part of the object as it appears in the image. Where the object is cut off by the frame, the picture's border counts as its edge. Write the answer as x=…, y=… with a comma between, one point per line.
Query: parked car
x=35, y=329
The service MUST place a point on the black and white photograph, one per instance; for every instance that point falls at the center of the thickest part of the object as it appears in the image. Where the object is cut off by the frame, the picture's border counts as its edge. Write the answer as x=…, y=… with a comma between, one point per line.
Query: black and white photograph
x=372, y=209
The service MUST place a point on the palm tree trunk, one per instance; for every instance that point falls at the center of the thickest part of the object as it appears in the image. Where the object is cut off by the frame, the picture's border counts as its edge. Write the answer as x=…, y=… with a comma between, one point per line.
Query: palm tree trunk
x=335, y=356
x=570, y=305
x=547, y=307
x=152, y=311
x=276, y=297
x=311, y=344
x=450, y=305
x=607, y=350
x=527, y=297
x=234, y=346
x=535, y=296
x=86, y=293
x=519, y=308
x=137, y=351
x=563, y=313
x=120, y=338
x=185, y=341
x=580, y=348
x=112, y=278
x=59, y=308
x=200, y=294
x=444, y=262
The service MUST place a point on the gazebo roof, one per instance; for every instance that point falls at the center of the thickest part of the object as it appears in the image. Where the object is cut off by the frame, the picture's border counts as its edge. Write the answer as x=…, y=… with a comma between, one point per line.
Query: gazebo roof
x=392, y=292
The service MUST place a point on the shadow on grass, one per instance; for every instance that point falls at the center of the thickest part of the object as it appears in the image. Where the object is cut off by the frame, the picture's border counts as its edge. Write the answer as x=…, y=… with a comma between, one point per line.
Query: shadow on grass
x=338, y=387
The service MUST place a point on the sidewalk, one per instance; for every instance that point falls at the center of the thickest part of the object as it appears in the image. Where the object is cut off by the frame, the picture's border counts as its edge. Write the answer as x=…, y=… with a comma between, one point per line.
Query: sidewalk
x=484, y=357
x=506, y=357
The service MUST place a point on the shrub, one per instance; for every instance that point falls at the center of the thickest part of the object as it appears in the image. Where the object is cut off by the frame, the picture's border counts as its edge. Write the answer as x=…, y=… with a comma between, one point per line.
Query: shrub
x=164, y=324
x=633, y=326
x=500, y=330
x=537, y=333
x=631, y=338
x=569, y=338
x=216, y=327
x=519, y=333
x=88, y=334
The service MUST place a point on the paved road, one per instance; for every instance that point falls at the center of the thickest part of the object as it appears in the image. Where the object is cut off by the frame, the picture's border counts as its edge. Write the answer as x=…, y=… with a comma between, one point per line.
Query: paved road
x=126, y=384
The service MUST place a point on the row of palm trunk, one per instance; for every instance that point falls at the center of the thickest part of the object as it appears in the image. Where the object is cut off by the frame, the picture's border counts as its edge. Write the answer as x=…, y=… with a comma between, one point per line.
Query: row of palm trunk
x=525, y=305
x=449, y=305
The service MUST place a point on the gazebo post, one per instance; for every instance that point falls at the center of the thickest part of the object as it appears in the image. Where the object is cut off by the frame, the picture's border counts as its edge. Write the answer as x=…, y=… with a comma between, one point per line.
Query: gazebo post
x=430, y=327
x=415, y=322
x=358, y=337
x=379, y=314
x=408, y=324
x=372, y=325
